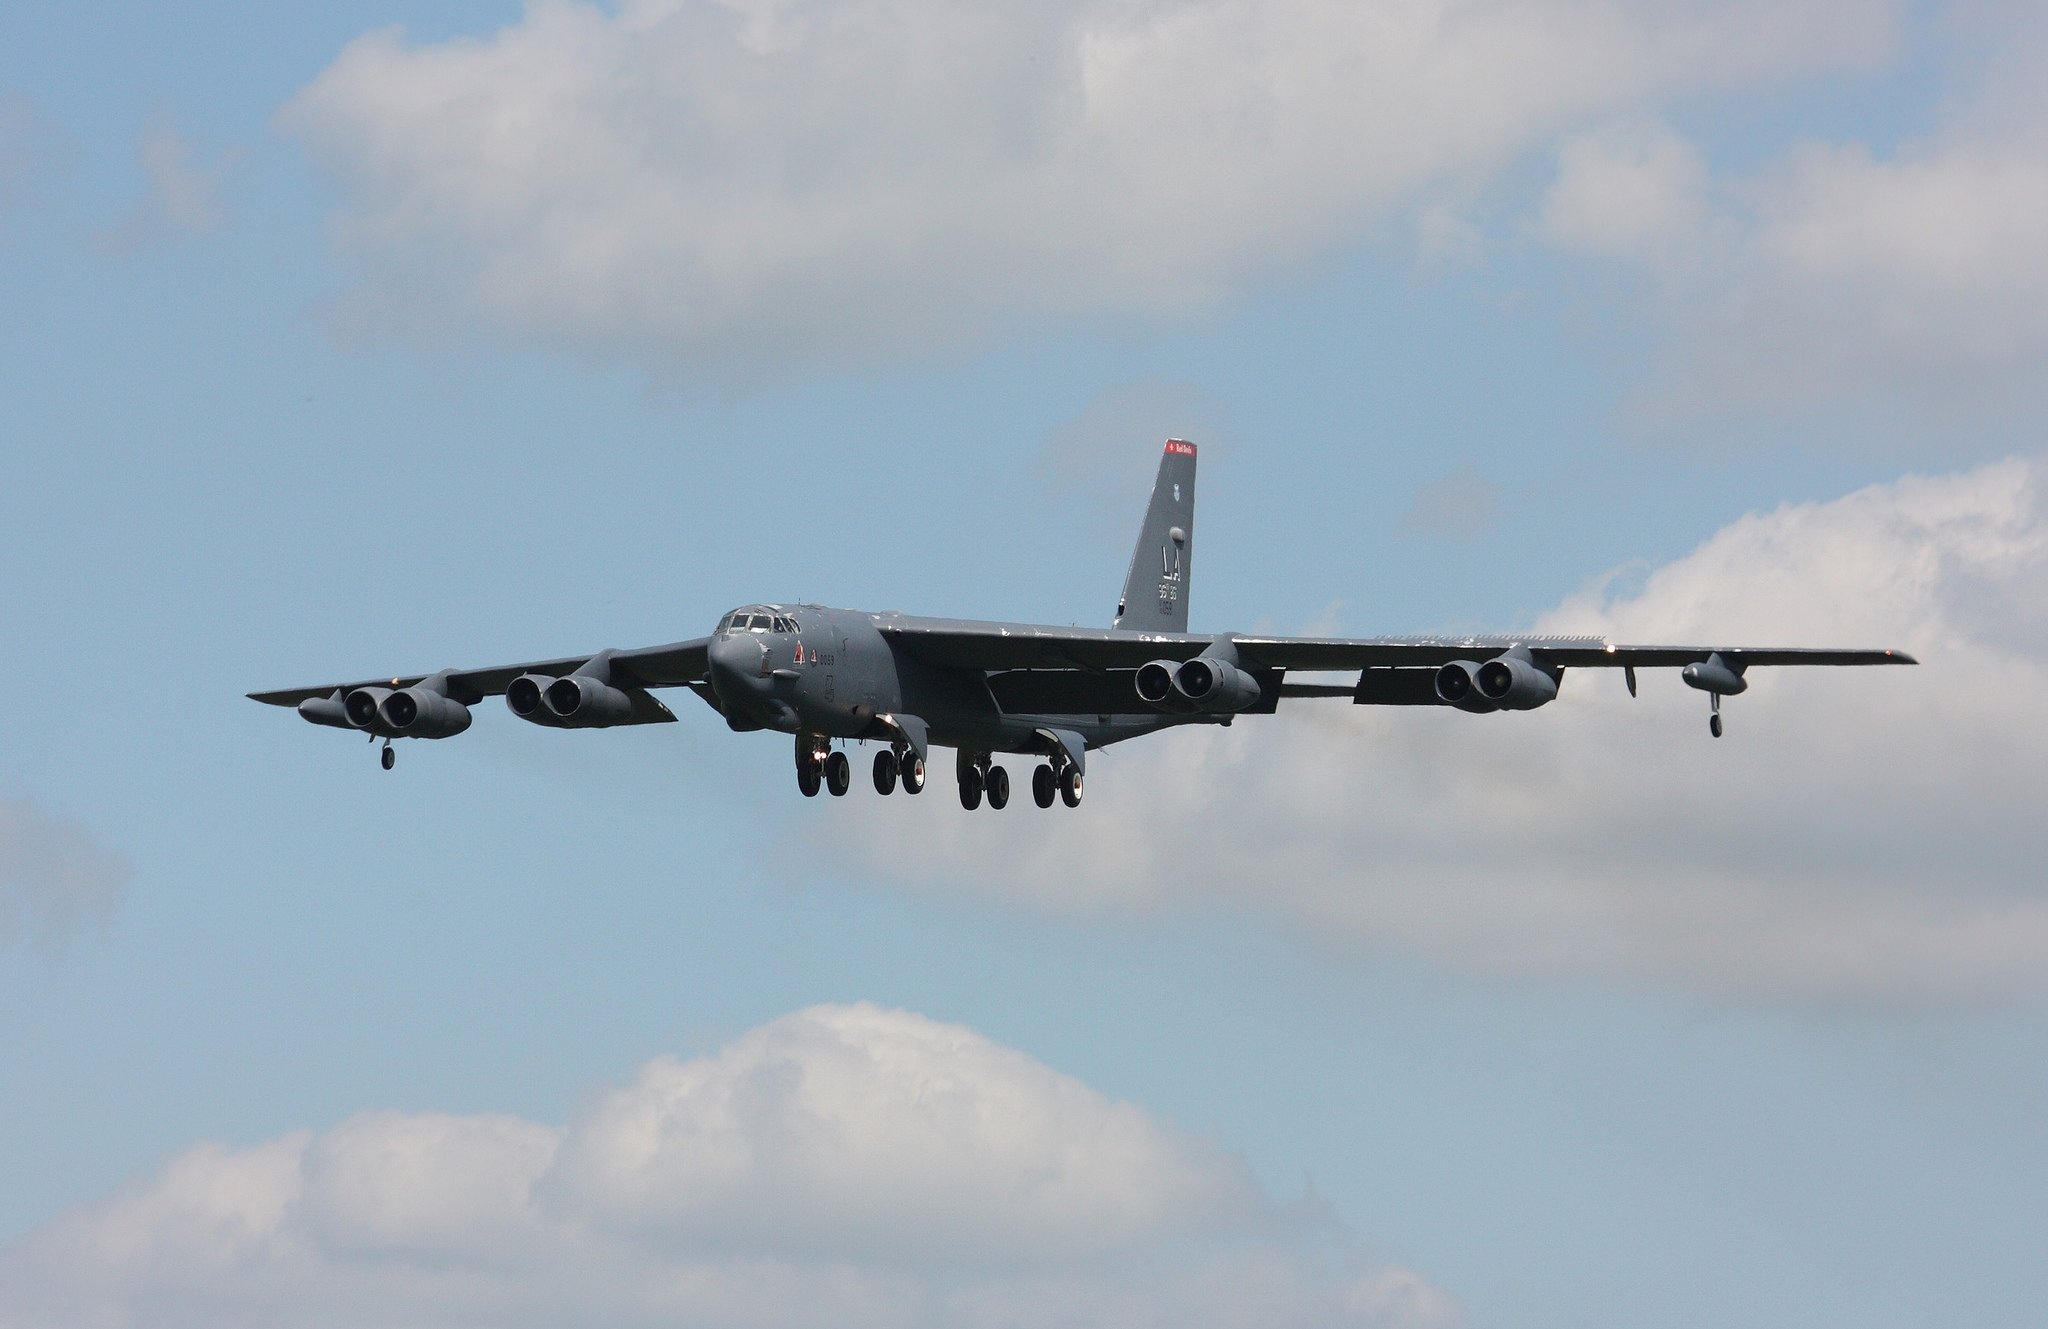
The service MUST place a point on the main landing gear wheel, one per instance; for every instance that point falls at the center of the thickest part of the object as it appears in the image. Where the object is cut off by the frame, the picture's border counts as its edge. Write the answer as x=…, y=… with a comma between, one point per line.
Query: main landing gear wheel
x=1070, y=786
x=885, y=772
x=970, y=789
x=998, y=781
x=809, y=779
x=1045, y=786
x=838, y=774
x=911, y=767
x=389, y=758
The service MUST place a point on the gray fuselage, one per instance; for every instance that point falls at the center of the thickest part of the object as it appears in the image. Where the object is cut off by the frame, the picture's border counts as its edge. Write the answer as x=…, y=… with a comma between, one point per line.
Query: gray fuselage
x=809, y=669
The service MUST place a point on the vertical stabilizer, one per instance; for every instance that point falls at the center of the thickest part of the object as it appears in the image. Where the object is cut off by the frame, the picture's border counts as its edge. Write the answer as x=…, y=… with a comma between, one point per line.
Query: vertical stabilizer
x=1155, y=597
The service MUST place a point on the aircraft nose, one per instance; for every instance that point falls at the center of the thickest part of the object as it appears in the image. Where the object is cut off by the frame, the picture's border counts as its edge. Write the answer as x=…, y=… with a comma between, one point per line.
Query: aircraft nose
x=735, y=668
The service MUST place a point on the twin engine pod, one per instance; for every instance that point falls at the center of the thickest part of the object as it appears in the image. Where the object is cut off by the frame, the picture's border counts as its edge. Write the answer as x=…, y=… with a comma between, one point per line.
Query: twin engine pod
x=576, y=702
x=1204, y=684
x=415, y=712
x=1510, y=682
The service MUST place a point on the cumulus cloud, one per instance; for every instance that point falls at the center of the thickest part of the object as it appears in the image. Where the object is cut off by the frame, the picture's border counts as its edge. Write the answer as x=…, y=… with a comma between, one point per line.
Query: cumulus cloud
x=1841, y=275
x=739, y=178
x=1861, y=836
x=51, y=873
x=844, y=1165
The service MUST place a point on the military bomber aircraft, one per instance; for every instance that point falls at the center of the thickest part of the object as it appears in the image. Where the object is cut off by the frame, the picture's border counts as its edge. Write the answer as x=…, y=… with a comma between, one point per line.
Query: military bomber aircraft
x=831, y=675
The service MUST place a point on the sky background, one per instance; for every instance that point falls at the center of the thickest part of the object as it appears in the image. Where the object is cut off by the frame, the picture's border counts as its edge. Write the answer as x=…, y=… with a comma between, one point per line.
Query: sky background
x=370, y=338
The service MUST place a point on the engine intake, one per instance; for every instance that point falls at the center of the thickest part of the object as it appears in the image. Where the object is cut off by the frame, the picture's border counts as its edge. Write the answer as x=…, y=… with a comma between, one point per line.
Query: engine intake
x=364, y=707
x=525, y=696
x=1516, y=683
x=1457, y=684
x=1211, y=685
x=1155, y=685
x=1204, y=684
x=581, y=702
x=1510, y=681
x=418, y=712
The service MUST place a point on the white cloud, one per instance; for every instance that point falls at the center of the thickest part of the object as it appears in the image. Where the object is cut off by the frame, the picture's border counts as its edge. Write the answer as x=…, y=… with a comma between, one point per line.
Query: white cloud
x=1839, y=277
x=1630, y=188
x=843, y=1165
x=1860, y=836
x=51, y=873
x=781, y=177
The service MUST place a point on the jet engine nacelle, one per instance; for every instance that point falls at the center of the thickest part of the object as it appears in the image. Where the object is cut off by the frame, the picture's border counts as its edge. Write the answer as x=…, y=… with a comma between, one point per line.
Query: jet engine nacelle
x=423, y=713
x=581, y=702
x=1214, y=686
x=1515, y=683
x=1155, y=685
x=1509, y=682
x=1204, y=684
x=363, y=708
x=526, y=695
x=1457, y=684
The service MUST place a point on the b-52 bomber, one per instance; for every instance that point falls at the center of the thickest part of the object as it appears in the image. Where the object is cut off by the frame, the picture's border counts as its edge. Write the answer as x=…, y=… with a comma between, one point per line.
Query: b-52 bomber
x=827, y=676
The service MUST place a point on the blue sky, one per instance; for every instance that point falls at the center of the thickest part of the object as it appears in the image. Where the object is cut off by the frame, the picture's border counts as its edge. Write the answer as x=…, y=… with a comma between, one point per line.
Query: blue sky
x=1663, y=322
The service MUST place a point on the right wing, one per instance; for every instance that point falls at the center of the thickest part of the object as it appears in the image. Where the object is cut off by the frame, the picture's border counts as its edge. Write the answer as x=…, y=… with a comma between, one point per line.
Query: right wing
x=679, y=664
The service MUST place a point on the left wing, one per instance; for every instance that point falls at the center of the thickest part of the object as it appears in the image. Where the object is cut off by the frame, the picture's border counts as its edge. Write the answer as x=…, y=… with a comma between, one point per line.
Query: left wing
x=950, y=643
x=1033, y=669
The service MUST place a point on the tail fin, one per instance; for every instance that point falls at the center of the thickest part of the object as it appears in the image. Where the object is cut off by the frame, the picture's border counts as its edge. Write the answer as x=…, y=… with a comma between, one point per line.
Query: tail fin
x=1155, y=597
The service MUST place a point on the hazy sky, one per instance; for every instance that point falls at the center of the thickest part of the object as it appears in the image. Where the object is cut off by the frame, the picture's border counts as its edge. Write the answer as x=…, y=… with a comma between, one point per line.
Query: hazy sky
x=343, y=340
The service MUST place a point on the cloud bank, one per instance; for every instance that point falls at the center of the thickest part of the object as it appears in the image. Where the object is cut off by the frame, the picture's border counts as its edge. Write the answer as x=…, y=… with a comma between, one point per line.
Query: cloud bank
x=780, y=178
x=1860, y=837
x=1839, y=273
x=843, y=1166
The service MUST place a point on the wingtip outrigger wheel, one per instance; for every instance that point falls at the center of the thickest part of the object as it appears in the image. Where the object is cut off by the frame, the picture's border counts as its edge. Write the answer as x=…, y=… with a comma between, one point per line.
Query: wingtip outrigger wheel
x=390, y=758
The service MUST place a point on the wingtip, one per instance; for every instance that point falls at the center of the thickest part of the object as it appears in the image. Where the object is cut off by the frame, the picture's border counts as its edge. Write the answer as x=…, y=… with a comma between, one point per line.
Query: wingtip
x=1900, y=657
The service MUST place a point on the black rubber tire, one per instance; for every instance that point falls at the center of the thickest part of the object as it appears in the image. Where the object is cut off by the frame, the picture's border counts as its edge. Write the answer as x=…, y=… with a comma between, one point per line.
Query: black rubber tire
x=389, y=758
x=911, y=771
x=838, y=774
x=1714, y=725
x=998, y=781
x=1045, y=786
x=970, y=794
x=809, y=779
x=1070, y=786
x=885, y=772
